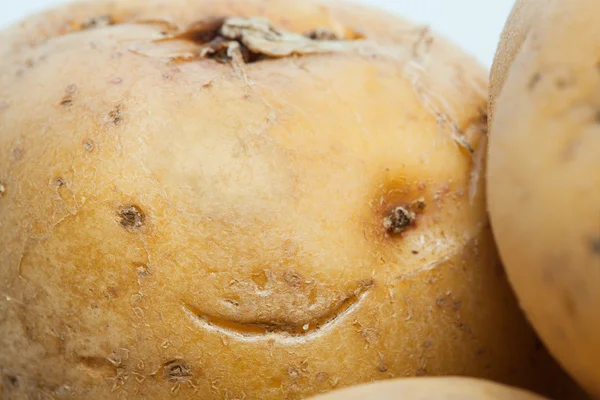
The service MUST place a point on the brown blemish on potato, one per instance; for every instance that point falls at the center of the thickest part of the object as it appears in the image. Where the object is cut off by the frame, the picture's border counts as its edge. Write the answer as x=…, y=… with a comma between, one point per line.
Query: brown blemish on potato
x=132, y=218
x=89, y=145
x=177, y=370
x=382, y=368
x=399, y=220
x=116, y=115
x=58, y=182
x=421, y=372
x=12, y=380
x=98, y=22
x=66, y=101
x=251, y=40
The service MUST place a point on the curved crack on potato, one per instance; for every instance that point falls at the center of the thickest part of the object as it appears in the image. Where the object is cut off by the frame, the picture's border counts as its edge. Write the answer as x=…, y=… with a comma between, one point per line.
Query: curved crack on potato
x=287, y=329
x=255, y=39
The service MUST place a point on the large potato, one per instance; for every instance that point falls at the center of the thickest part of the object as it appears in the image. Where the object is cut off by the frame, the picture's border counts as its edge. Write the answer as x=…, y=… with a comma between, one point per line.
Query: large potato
x=199, y=204
x=544, y=173
x=450, y=388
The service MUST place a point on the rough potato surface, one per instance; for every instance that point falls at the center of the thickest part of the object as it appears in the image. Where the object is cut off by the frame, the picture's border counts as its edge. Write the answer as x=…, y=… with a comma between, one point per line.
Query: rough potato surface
x=194, y=216
x=431, y=388
x=544, y=174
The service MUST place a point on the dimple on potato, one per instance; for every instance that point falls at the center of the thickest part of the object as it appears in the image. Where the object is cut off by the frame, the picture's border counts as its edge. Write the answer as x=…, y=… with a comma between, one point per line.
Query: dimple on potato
x=245, y=199
x=544, y=174
x=430, y=388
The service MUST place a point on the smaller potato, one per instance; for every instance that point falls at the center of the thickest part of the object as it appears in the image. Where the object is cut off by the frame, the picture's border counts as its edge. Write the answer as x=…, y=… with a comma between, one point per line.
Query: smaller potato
x=431, y=389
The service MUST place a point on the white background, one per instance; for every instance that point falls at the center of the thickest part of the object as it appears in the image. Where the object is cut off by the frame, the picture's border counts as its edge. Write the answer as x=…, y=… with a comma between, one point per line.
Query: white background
x=474, y=24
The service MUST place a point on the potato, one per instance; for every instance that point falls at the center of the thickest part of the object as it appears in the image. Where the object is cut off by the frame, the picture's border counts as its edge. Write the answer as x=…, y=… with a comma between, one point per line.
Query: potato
x=450, y=388
x=544, y=174
x=245, y=199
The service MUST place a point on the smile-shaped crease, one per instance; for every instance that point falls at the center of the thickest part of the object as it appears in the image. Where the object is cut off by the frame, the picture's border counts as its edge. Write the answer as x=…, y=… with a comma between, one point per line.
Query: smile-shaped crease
x=257, y=330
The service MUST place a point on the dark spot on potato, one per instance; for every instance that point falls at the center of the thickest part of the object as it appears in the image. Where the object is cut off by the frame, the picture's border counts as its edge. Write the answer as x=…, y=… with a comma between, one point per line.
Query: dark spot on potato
x=535, y=79
x=382, y=368
x=427, y=344
x=132, y=218
x=399, y=220
x=98, y=22
x=58, y=182
x=112, y=291
x=421, y=372
x=480, y=351
x=415, y=252
x=67, y=101
x=12, y=380
x=89, y=145
x=322, y=377
x=595, y=245
x=176, y=370
x=322, y=34
x=116, y=115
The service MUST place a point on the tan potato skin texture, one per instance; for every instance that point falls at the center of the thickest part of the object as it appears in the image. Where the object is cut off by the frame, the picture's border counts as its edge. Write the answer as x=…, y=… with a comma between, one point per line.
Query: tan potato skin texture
x=544, y=174
x=263, y=191
x=450, y=388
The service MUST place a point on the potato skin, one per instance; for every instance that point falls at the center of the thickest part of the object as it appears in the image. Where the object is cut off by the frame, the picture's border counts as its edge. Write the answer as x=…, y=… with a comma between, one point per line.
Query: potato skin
x=157, y=215
x=431, y=388
x=544, y=174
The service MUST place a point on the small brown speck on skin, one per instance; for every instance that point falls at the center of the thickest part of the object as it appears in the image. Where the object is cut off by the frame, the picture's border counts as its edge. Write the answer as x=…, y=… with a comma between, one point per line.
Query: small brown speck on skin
x=421, y=372
x=383, y=368
x=58, y=182
x=116, y=115
x=67, y=101
x=89, y=145
x=131, y=218
x=398, y=221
